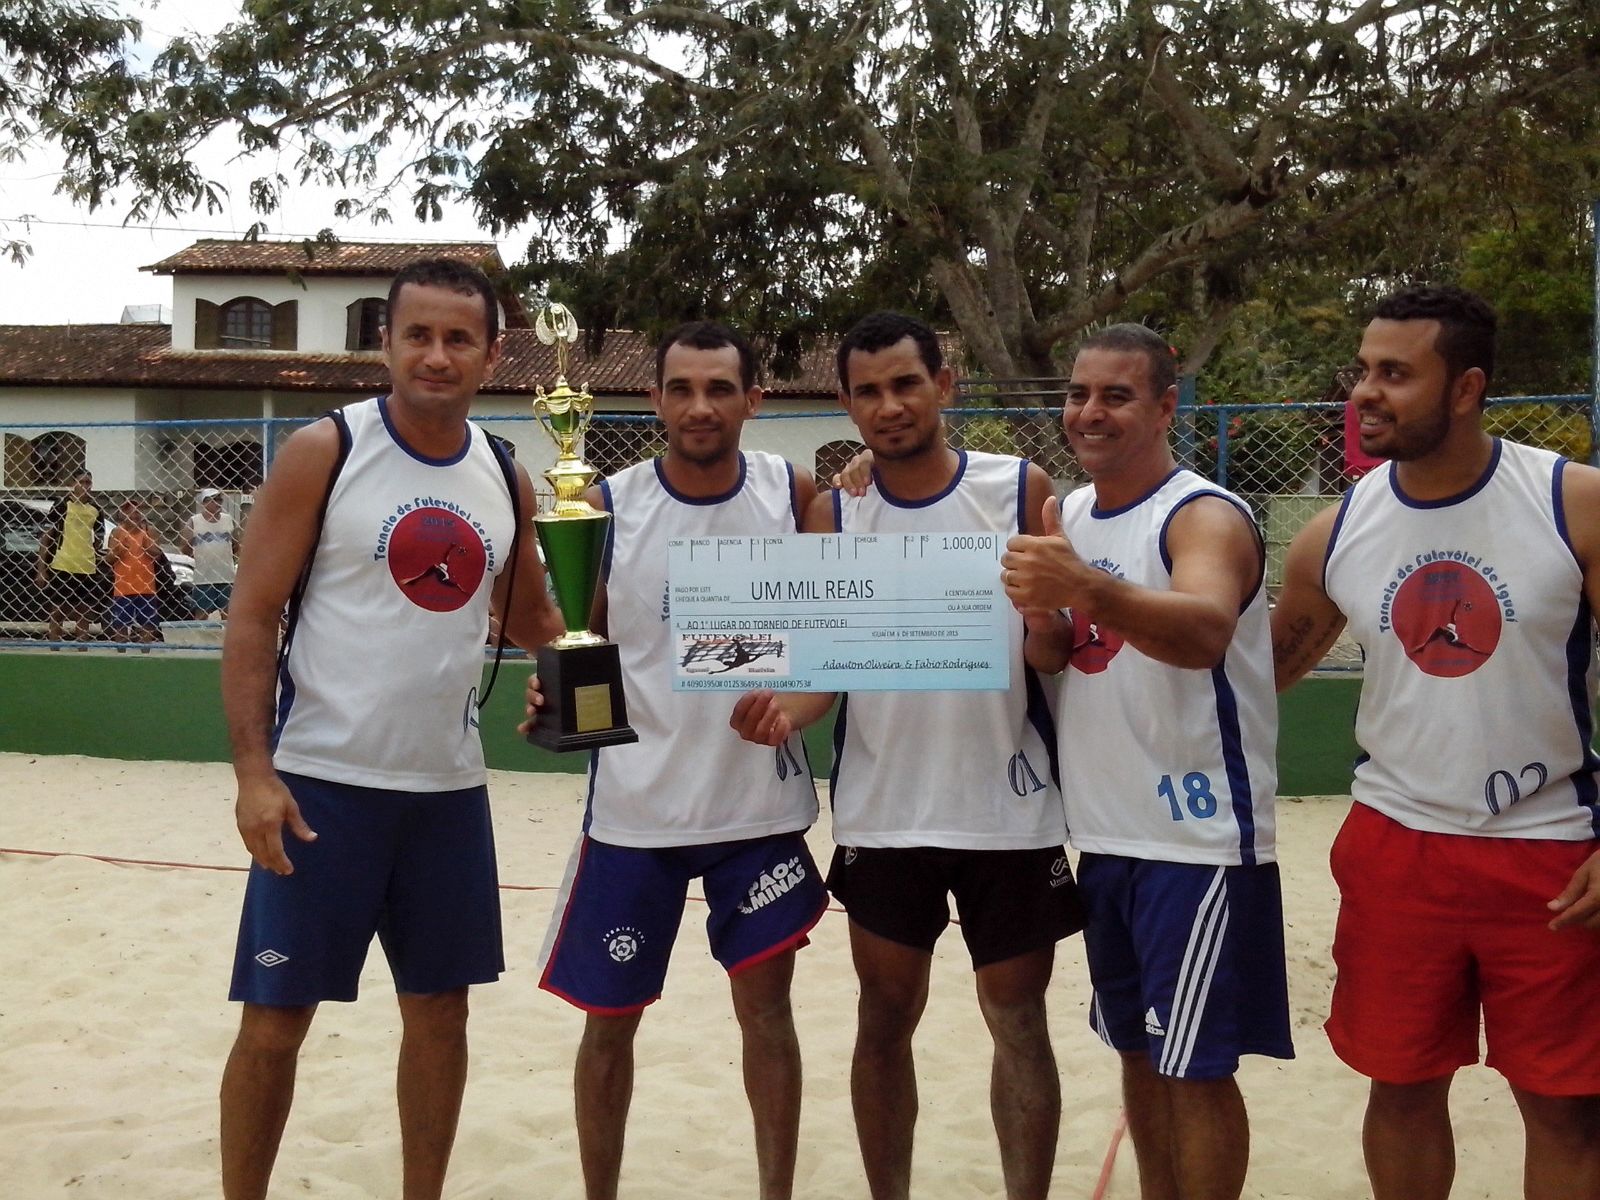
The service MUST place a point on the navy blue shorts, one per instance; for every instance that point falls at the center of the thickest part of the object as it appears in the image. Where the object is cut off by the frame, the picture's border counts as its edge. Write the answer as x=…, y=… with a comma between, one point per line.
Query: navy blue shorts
x=211, y=597
x=1187, y=962
x=134, y=612
x=415, y=868
x=1009, y=902
x=619, y=910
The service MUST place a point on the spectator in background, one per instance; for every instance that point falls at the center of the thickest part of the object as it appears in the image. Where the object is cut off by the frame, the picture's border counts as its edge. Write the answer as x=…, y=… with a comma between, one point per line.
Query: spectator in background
x=133, y=552
x=68, y=556
x=210, y=538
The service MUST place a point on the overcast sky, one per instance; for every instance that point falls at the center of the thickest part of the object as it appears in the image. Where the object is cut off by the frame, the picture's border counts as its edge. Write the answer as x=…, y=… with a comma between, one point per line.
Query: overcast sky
x=85, y=266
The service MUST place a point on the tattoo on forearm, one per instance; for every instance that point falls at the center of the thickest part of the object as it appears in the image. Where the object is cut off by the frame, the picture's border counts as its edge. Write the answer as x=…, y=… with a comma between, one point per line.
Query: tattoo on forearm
x=1302, y=644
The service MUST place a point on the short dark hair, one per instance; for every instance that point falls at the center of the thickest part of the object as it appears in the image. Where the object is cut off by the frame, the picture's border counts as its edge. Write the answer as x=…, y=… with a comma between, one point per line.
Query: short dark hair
x=455, y=275
x=880, y=330
x=1466, y=324
x=707, y=335
x=1130, y=338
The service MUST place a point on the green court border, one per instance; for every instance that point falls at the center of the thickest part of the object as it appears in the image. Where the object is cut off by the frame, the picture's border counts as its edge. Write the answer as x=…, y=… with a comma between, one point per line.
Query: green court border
x=165, y=706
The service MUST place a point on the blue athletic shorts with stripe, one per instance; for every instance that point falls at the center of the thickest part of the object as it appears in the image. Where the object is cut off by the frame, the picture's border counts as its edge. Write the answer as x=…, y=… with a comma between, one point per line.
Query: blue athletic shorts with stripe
x=620, y=907
x=415, y=868
x=1187, y=962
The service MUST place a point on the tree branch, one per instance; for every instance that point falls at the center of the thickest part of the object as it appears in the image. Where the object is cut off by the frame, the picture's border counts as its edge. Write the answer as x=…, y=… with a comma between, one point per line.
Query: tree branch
x=1040, y=113
x=1191, y=241
x=1206, y=337
x=1211, y=152
x=1173, y=248
x=1268, y=131
x=326, y=106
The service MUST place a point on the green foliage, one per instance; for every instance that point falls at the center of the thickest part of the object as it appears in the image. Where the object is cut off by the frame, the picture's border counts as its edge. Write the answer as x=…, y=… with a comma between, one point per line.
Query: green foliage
x=1272, y=452
x=992, y=435
x=1280, y=351
x=1023, y=169
x=61, y=57
x=1551, y=427
x=1539, y=272
x=1268, y=452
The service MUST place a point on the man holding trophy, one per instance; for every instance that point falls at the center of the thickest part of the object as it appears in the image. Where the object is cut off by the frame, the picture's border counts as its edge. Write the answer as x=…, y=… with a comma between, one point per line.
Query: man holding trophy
x=388, y=529
x=688, y=799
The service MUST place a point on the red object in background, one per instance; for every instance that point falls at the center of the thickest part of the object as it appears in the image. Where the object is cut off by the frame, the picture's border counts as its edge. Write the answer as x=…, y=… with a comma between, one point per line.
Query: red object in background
x=1356, y=464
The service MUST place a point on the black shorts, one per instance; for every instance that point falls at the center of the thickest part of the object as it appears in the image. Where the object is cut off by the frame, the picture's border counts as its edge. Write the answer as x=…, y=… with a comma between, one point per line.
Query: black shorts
x=70, y=590
x=1008, y=902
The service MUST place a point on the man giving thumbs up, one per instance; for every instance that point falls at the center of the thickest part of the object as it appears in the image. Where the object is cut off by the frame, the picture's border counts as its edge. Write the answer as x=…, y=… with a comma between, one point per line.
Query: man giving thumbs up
x=1146, y=592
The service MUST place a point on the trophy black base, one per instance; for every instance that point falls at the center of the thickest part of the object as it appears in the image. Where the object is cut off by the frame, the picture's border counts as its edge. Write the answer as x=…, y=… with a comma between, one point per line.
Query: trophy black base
x=584, y=707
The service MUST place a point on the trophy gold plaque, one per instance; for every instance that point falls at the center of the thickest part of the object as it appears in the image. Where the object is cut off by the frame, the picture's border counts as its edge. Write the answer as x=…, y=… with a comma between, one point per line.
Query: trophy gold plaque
x=580, y=673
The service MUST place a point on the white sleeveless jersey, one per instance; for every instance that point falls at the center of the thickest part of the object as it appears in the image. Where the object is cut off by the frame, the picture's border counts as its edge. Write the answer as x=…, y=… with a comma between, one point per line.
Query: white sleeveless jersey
x=212, y=544
x=689, y=779
x=380, y=687
x=1167, y=763
x=959, y=770
x=1476, y=713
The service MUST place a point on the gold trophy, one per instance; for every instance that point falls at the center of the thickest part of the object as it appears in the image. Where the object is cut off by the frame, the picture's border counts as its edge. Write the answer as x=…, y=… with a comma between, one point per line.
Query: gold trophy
x=580, y=672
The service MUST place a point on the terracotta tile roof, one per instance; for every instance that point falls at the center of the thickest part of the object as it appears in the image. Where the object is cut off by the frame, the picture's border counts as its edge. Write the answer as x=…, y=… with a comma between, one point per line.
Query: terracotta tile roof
x=140, y=356
x=230, y=256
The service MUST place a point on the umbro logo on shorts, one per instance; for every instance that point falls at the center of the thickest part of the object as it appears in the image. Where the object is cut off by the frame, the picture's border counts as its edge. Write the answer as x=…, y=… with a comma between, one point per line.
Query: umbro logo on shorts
x=271, y=958
x=623, y=944
x=773, y=884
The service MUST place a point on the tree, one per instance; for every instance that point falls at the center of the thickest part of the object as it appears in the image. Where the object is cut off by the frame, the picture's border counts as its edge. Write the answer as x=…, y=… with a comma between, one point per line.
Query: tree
x=51, y=47
x=1024, y=168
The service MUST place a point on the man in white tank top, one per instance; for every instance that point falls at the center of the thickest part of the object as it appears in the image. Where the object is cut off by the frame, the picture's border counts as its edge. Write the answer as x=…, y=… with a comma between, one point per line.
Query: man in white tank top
x=210, y=538
x=1468, y=568
x=939, y=794
x=1168, y=730
x=689, y=800
x=362, y=741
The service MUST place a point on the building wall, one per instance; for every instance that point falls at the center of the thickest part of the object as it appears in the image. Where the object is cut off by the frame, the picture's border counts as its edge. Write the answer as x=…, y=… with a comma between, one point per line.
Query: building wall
x=108, y=451
x=322, y=304
x=159, y=455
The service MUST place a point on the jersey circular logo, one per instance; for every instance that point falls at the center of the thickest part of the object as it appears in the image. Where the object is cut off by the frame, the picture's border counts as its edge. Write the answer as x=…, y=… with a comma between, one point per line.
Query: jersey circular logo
x=1093, y=645
x=1447, y=620
x=437, y=559
x=623, y=945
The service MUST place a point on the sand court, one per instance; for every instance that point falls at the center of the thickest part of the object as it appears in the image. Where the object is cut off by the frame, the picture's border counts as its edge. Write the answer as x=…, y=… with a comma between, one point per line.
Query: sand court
x=114, y=1025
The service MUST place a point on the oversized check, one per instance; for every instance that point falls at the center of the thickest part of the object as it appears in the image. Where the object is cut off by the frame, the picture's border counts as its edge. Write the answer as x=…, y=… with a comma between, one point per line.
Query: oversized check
x=839, y=612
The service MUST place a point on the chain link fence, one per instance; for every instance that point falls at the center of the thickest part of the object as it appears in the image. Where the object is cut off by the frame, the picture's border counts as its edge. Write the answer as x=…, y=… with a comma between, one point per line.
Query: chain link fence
x=1287, y=460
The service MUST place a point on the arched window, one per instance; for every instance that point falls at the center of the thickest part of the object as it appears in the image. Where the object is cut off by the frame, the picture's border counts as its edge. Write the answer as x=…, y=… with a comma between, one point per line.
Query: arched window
x=363, y=320
x=58, y=457
x=245, y=323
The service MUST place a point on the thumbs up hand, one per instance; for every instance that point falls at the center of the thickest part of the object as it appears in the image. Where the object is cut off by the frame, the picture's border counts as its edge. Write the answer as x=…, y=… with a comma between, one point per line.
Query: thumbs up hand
x=1052, y=517
x=1042, y=573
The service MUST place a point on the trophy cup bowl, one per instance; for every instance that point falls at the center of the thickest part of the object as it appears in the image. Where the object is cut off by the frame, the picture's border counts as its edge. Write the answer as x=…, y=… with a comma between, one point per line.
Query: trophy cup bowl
x=580, y=673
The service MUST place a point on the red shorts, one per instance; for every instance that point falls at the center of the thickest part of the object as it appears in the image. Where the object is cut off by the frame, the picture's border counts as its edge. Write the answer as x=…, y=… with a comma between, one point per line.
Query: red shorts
x=1435, y=926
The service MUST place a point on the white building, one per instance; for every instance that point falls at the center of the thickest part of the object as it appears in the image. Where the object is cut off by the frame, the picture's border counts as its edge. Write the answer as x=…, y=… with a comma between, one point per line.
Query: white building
x=264, y=335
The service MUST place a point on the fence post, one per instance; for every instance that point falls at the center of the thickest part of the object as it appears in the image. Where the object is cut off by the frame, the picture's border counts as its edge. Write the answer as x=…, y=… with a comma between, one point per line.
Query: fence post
x=1223, y=413
x=1594, y=349
x=1187, y=415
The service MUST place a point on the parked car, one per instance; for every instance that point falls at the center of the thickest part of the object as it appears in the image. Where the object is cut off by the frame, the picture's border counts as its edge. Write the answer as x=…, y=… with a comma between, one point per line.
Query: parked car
x=23, y=523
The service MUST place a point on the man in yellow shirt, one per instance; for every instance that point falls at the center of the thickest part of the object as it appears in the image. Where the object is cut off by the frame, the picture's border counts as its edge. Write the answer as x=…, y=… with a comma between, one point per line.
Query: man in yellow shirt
x=68, y=556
